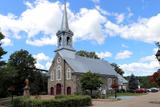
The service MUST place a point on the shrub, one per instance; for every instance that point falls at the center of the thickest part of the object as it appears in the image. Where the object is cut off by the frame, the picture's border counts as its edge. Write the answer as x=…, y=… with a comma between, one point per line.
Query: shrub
x=59, y=101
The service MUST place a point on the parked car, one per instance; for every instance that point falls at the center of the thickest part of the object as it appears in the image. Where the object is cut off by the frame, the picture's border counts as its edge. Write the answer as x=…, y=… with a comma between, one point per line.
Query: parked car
x=154, y=89
x=148, y=90
x=141, y=90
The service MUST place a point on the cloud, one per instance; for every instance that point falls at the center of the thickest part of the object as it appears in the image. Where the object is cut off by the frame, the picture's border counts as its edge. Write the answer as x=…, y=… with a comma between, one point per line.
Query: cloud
x=6, y=42
x=85, y=27
x=124, y=46
x=43, y=61
x=42, y=19
x=104, y=54
x=119, y=17
x=96, y=1
x=145, y=29
x=41, y=57
x=124, y=54
x=144, y=66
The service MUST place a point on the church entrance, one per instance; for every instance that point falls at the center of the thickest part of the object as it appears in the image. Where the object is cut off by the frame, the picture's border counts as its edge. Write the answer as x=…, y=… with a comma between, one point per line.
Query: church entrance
x=52, y=91
x=68, y=90
x=58, y=89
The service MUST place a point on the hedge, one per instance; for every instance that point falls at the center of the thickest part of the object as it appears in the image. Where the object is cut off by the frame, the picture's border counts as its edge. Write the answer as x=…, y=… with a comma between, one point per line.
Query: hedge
x=59, y=101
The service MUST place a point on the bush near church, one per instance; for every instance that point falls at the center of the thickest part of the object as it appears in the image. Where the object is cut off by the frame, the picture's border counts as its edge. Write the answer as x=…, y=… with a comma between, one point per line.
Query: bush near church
x=59, y=101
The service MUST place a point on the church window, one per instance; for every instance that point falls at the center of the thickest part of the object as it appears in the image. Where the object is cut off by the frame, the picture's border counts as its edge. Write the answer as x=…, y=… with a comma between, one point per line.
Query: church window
x=68, y=40
x=58, y=73
x=52, y=76
x=60, y=41
x=68, y=74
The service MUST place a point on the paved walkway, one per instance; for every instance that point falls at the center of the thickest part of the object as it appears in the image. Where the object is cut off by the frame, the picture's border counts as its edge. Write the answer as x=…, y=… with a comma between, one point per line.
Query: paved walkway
x=138, y=101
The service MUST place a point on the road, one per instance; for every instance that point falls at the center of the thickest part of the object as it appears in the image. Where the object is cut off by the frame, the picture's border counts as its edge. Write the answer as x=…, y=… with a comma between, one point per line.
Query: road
x=149, y=100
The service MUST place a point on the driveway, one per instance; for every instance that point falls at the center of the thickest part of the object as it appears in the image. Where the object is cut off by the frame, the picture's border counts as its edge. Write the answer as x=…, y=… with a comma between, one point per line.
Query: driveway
x=149, y=100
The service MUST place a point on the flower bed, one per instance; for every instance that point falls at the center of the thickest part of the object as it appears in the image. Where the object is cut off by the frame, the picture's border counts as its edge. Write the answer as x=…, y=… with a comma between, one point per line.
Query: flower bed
x=59, y=101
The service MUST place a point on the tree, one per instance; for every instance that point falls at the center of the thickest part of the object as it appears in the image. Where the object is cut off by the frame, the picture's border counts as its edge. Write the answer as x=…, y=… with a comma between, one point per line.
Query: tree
x=87, y=54
x=2, y=52
x=90, y=81
x=155, y=78
x=133, y=83
x=117, y=68
x=22, y=65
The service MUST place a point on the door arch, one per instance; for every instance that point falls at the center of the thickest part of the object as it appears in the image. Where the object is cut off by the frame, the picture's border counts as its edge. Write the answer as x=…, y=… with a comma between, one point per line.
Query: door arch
x=52, y=91
x=58, y=89
x=68, y=90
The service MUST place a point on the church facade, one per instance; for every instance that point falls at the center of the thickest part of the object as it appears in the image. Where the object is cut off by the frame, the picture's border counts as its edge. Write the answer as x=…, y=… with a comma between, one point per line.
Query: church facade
x=67, y=67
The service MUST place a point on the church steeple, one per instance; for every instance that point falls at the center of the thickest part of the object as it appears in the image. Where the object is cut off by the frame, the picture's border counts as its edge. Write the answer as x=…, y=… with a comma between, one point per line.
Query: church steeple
x=64, y=35
x=64, y=25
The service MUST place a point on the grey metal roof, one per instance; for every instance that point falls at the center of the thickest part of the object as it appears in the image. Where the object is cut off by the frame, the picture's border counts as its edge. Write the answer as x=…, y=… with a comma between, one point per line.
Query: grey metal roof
x=121, y=80
x=83, y=64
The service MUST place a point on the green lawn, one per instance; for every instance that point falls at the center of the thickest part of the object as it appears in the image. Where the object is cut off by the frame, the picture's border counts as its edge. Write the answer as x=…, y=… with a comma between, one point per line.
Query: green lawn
x=130, y=94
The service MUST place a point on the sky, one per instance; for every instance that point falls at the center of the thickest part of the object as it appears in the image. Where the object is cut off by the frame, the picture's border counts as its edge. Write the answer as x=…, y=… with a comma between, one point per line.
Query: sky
x=119, y=31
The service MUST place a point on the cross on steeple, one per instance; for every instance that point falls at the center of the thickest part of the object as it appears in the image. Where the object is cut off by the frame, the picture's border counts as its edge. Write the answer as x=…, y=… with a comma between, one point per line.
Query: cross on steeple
x=65, y=34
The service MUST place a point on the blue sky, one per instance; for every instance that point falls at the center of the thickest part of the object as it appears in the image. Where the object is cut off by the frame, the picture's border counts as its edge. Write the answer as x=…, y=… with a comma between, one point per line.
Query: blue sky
x=120, y=31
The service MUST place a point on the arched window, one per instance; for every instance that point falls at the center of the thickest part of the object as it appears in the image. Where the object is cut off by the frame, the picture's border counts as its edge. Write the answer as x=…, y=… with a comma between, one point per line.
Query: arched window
x=52, y=75
x=68, y=74
x=58, y=73
x=68, y=40
x=60, y=41
x=109, y=83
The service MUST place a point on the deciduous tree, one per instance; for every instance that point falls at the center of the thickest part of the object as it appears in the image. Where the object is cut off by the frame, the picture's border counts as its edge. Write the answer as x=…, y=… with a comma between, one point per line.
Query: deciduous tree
x=90, y=81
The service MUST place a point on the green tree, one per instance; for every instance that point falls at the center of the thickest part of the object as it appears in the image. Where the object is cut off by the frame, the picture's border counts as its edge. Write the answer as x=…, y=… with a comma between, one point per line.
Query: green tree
x=133, y=83
x=2, y=52
x=23, y=66
x=87, y=54
x=90, y=81
x=117, y=68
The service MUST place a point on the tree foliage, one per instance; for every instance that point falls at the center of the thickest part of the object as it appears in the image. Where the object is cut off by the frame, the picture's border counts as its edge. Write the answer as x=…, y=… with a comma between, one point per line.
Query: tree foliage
x=2, y=52
x=117, y=68
x=21, y=65
x=145, y=82
x=87, y=54
x=155, y=78
x=133, y=83
x=90, y=81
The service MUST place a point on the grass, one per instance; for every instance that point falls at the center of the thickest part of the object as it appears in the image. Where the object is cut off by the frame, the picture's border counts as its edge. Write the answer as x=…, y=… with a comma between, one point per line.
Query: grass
x=130, y=94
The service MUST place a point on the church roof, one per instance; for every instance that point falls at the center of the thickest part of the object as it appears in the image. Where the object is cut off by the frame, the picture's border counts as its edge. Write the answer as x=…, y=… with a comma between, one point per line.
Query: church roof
x=121, y=80
x=83, y=64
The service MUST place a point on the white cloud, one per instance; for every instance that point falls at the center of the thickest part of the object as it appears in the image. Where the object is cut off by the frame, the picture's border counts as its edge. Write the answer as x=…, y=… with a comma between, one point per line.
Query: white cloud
x=6, y=42
x=96, y=1
x=43, y=61
x=124, y=46
x=42, y=19
x=86, y=27
x=41, y=57
x=119, y=17
x=145, y=66
x=145, y=29
x=124, y=54
x=104, y=54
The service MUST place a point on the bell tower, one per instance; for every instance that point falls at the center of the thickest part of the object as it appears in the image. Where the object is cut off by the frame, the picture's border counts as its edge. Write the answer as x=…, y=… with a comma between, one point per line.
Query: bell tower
x=64, y=35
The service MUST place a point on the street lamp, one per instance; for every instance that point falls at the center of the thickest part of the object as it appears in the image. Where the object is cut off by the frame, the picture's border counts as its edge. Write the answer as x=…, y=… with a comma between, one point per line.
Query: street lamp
x=158, y=52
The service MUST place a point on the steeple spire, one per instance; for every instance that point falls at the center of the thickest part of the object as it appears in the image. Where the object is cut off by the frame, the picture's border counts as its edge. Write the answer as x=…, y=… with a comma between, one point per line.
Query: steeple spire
x=64, y=35
x=64, y=25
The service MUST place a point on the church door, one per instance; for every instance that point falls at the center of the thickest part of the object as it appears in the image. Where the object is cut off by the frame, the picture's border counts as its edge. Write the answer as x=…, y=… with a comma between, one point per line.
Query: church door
x=68, y=90
x=58, y=89
x=52, y=91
